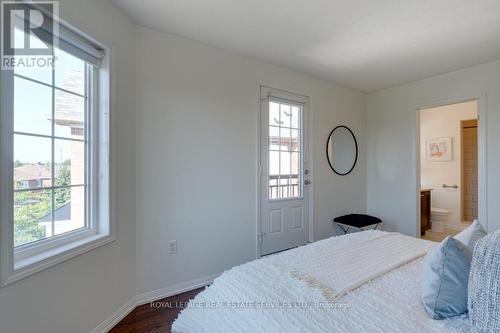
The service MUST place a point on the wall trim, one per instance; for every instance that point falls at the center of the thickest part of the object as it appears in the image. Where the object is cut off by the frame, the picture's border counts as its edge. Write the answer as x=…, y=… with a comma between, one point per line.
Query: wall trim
x=116, y=317
x=175, y=289
x=150, y=296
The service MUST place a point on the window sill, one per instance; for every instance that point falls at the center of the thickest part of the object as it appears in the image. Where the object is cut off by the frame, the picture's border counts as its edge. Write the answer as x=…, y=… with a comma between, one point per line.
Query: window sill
x=36, y=263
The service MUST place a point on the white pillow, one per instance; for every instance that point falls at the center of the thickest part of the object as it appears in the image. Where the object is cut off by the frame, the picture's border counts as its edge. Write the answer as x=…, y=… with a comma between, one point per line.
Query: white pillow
x=470, y=235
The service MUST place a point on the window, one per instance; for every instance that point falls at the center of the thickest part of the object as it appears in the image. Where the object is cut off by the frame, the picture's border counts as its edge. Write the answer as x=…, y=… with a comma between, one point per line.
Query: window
x=54, y=163
x=51, y=164
x=285, y=150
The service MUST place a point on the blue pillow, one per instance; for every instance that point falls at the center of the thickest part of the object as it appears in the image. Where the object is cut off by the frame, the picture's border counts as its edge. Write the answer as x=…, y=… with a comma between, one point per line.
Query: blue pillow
x=445, y=277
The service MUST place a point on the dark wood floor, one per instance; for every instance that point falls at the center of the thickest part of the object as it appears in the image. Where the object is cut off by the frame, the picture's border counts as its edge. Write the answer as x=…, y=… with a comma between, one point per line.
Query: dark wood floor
x=156, y=317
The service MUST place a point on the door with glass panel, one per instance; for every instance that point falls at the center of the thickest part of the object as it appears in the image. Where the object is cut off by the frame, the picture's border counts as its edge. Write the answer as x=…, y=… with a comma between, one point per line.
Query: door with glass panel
x=284, y=210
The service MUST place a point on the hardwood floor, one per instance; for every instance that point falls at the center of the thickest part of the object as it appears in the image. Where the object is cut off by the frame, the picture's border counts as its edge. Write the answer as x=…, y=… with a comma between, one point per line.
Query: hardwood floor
x=156, y=317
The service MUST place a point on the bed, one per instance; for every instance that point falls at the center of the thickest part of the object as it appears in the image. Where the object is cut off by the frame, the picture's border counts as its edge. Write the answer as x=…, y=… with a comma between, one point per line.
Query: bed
x=264, y=296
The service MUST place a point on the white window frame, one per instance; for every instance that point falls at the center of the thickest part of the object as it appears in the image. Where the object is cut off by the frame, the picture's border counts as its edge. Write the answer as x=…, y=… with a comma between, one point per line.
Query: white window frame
x=18, y=263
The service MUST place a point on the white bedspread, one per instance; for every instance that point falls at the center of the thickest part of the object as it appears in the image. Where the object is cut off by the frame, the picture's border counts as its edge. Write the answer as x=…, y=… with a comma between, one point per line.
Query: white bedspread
x=339, y=269
x=261, y=297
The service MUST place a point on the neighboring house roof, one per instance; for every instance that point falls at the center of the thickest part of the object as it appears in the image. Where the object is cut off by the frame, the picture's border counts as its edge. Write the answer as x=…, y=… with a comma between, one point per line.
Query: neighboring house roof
x=63, y=213
x=32, y=171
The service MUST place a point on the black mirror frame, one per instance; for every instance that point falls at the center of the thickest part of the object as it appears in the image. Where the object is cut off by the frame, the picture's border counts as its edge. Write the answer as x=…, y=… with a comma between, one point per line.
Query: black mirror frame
x=328, y=153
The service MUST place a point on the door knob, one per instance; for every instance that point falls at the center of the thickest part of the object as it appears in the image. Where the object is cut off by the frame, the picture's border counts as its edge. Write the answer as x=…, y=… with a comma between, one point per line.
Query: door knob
x=307, y=182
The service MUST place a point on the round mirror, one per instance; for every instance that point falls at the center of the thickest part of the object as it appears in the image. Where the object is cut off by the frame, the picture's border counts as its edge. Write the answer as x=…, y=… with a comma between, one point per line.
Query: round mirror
x=342, y=150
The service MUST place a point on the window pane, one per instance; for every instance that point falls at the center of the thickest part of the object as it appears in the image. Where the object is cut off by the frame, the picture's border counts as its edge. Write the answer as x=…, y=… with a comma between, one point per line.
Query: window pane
x=274, y=160
x=69, y=160
x=295, y=122
x=43, y=74
x=295, y=140
x=69, y=212
x=294, y=186
x=274, y=114
x=295, y=163
x=273, y=187
x=274, y=138
x=285, y=115
x=69, y=72
x=32, y=162
x=284, y=164
x=285, y=139
x=32, y=107
x=69, y=115
x=32, y=216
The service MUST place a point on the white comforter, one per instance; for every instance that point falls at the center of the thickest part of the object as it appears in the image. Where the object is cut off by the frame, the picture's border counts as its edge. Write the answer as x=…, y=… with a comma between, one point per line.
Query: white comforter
x=259, y=296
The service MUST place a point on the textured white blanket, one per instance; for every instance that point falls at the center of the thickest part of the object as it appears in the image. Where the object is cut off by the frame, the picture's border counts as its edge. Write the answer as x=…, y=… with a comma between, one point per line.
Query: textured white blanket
x=260, y=296
x=339, y=269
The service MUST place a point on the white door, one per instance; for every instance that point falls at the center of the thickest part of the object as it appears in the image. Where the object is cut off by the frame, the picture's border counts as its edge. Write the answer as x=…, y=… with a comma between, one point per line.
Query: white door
x=284, y=190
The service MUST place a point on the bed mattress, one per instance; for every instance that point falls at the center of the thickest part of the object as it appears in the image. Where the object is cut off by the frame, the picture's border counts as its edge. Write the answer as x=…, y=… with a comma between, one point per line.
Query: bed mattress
x=259, y=296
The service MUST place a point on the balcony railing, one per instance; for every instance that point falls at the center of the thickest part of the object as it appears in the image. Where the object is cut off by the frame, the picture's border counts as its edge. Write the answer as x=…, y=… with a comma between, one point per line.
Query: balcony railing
x=284, y=186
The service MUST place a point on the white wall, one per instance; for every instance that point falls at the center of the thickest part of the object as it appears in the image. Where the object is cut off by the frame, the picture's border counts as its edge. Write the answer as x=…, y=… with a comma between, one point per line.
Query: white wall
x=78, y=294
x=391, y=147
x=441, y=122
x=197, y=153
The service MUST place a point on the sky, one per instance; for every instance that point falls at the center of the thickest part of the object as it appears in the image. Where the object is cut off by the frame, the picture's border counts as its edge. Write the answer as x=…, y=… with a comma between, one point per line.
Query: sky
x=33, y=109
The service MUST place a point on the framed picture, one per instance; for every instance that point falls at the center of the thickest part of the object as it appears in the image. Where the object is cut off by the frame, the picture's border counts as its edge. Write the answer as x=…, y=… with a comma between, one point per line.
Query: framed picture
x=439, y=149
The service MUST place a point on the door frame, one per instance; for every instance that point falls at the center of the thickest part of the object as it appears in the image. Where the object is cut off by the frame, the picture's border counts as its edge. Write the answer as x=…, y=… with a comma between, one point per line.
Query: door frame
x=308, y=136
x=482, y=152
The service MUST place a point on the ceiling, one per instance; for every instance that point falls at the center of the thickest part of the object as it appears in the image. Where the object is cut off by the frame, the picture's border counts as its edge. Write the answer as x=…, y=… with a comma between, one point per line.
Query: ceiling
x=362, y=44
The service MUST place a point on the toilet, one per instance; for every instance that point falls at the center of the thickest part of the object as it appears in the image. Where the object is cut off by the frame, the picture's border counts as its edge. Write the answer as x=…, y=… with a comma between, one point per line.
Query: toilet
x=438, y=218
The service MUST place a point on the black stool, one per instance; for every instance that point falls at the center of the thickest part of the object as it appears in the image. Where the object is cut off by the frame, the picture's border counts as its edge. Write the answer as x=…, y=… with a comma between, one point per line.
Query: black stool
x=358, y=221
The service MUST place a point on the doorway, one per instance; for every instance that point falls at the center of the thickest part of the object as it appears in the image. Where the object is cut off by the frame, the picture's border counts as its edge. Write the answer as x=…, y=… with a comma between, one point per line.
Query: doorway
x=284, y=174
x=448, y=168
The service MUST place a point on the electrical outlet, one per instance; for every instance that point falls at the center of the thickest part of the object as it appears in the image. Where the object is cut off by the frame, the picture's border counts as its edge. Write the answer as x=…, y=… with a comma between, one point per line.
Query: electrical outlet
x=172, y=247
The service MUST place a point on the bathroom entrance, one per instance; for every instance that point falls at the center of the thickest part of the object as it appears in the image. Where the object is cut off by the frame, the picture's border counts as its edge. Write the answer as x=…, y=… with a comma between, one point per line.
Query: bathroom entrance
x=449, y=176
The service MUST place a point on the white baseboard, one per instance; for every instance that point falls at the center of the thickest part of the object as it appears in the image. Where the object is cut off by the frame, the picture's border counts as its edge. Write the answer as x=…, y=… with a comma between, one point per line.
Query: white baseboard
x=175, y=289
x=115, y=318
x=151, y=296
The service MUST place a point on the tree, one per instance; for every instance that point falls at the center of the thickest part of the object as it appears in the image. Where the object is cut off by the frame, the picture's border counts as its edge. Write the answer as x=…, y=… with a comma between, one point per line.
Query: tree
x=63, y=196
x=31, y=206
